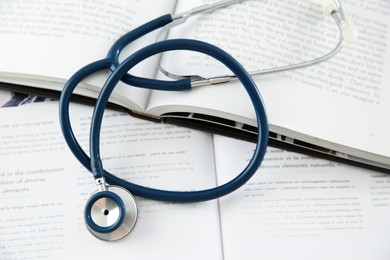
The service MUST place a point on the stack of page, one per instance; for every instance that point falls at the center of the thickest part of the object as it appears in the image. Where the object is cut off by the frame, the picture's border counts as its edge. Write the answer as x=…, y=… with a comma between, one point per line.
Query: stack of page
x=339, y=108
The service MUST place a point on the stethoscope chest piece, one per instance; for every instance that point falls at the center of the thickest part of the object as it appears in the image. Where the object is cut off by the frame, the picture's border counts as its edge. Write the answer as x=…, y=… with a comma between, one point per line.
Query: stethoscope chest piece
x=111, y=214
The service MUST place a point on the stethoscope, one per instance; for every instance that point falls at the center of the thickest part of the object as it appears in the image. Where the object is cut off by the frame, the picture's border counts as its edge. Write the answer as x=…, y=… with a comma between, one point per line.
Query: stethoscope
x=111, y=212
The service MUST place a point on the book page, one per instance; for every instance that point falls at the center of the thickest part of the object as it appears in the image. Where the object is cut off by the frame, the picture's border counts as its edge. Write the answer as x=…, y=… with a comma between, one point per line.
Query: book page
x=300, y=207
x=45, y=42
x=5, y=96
x=343, y=101
x=43, y=188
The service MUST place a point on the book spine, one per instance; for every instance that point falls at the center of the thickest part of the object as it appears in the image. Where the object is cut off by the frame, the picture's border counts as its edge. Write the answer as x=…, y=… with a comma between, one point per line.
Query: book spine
x=144, y=115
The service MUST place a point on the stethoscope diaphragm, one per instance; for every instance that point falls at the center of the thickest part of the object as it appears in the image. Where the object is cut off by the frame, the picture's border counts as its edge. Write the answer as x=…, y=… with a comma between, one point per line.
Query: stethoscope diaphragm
x=111, y=214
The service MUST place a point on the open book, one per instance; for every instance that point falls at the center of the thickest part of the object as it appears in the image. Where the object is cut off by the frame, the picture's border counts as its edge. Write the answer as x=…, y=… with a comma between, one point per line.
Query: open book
x=295, y=205
x=339, y=108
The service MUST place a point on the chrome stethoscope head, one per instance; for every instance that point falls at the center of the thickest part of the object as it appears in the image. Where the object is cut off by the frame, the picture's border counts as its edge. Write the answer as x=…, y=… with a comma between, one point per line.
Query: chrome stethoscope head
x=110, y=213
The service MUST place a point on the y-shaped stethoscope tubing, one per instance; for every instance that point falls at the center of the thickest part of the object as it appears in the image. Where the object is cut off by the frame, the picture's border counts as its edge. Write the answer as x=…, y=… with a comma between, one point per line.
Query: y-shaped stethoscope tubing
x=131, y=61
x=191, y=196
x=108, y=63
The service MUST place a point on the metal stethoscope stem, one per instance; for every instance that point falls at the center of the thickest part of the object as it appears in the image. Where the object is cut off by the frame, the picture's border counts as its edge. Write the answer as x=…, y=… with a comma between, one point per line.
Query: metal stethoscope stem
x=334, y=8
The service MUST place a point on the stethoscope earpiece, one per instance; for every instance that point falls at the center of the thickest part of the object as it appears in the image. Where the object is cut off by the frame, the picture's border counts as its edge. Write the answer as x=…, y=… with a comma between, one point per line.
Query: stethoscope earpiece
x=111, y=214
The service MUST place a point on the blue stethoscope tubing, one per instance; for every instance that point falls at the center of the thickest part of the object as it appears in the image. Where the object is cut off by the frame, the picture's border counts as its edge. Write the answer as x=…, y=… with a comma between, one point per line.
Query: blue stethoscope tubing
x=120, y=72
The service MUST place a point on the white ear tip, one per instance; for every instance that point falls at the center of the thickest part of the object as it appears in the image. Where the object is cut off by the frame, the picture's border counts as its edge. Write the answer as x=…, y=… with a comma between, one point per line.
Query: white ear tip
x=349, y=31
x=328, y=6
